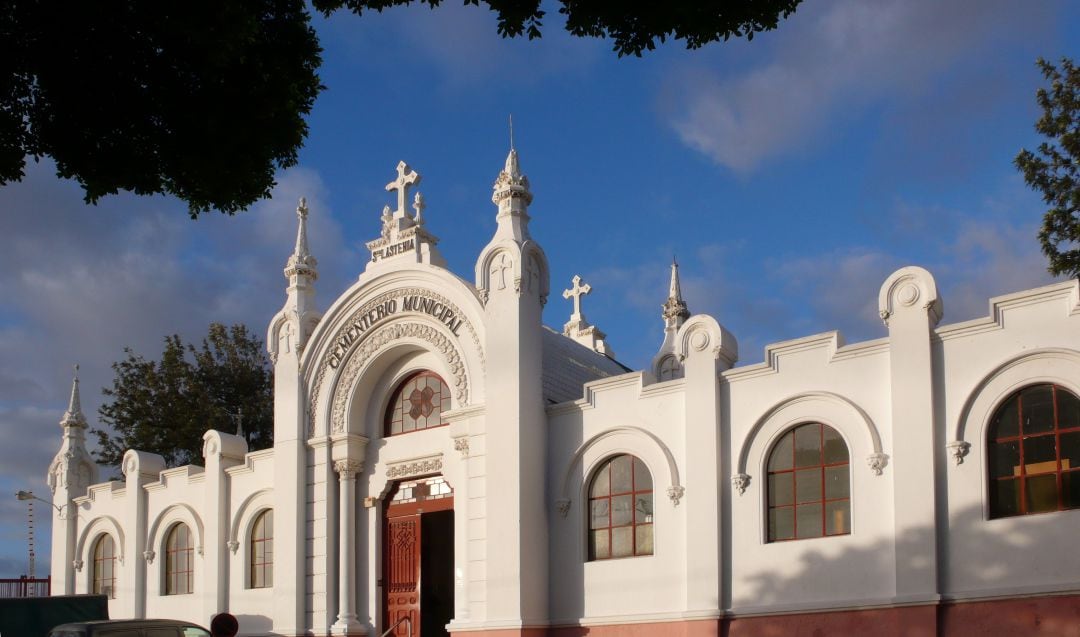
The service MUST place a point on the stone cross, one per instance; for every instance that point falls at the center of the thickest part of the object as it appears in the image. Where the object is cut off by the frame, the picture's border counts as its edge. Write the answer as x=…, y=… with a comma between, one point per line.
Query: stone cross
x=577, y=292
x=405, y=178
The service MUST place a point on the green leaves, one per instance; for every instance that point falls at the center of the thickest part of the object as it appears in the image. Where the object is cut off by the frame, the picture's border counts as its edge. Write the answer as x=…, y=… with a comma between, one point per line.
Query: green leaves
x=165, y=406
x=201, y=100
x=1054, y=169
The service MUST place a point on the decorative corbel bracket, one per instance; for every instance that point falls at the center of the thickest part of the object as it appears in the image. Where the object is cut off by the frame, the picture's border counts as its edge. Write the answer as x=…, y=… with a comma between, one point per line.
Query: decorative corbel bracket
x=562, y=505
x=233, y=545
x=740, y=481
x=77, y=565
x=675, y=493
x=958, y=449
x=149, y=556
x=877, y=462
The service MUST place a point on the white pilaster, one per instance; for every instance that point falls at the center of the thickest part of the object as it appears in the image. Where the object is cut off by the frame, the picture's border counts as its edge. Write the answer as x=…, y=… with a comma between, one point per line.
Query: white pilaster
x=910, y=307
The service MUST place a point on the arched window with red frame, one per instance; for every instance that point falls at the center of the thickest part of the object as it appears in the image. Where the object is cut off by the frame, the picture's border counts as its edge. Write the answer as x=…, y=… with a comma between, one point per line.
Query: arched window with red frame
x=1033, y=452
x=179, y=561
x=418, y=403
x=620, y=509
x=809, y=485
x=104, y=570
x=262, y=550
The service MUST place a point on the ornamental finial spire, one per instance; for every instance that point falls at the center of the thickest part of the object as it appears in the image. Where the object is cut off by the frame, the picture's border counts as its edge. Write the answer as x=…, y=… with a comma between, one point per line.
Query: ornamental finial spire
x=511, y=186
x=675, y=310
x=74, y=417
x=301, y=262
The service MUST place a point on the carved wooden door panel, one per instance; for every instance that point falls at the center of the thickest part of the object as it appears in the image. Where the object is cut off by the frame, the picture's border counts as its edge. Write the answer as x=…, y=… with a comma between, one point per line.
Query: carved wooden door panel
x=403, y=572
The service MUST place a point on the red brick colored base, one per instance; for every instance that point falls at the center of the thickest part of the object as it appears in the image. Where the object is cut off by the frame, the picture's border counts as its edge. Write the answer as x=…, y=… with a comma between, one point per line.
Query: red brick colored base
x=1056, y=616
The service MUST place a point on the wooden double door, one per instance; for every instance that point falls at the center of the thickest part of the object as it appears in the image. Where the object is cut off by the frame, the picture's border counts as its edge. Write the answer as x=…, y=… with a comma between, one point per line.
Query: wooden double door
x=418, y=558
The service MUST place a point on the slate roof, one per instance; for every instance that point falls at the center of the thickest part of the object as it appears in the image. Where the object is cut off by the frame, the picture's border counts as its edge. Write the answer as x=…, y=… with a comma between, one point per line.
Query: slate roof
x=568, y=365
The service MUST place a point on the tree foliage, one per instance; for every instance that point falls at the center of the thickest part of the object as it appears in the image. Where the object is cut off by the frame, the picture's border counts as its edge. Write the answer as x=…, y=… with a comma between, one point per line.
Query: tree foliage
x=633, y=27
x=1054, y=169
x=166, y=406
x=205, y=100
x=199, y=99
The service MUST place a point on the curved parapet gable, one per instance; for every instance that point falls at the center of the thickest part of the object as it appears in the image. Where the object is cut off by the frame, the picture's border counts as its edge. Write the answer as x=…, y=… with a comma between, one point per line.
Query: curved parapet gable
x=910, y=286
x=702, y=333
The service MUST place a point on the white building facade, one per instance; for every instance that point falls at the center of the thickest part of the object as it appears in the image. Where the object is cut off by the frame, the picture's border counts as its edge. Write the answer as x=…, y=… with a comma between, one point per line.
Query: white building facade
x=443, y=462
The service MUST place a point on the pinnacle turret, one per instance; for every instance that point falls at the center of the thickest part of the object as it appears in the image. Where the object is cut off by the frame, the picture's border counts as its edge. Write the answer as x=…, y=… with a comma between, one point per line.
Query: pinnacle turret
x=74, y=417
x=675, y=310
x=301, y=263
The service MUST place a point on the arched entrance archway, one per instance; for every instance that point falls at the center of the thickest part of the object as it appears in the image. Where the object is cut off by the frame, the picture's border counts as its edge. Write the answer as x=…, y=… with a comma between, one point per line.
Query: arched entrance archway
x=418, y=557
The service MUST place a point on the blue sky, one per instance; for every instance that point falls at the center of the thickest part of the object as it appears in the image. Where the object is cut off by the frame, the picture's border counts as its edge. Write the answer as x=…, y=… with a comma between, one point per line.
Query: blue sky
x=790, y=175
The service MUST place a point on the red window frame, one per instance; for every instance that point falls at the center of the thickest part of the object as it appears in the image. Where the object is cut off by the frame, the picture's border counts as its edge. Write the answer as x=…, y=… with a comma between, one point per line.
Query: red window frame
x=262, y=551
x=104, y=560
x=639, y=519
x=1066, y=476
x=821, y=528
x=179, y=561
x=439, y=400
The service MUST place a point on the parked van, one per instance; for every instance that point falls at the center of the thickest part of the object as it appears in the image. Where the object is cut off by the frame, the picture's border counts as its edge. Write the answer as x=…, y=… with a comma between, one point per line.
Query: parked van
x=130, y=628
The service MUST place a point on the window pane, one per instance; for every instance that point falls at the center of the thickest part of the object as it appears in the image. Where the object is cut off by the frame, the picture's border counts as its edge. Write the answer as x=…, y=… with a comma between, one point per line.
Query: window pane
x=782, y=523
x=781, y=488
x=622, y=510
x=621, y=480
x=1004, y=498
x=1004, y=459
x=1068, y=409
x=1005, y=420
x=807, y=485
x=622, y=541
x=836, y=517
x=808, y=520
x=808, y=445
x=642, y=477
x=1039, y=454
x=780, y=458
x=1041, y=493
x=1070, y=493
x=1037, y=409
x=598, y=544
x=836, y=482
x=600, y=483
x=643, y=511
x=835, y=449
x=644, y=539
x=599, y=516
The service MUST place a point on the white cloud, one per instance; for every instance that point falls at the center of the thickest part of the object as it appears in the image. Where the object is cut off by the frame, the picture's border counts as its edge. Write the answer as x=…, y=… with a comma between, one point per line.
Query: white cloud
x=830, y=60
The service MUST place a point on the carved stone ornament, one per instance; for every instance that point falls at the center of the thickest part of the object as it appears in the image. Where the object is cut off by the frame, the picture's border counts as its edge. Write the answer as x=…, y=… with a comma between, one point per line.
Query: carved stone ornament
x=740, y=481
x=348, y=468
x=958, y=449
x=77, y=564
x=877, y=462
x=417, y=467
x=369, y=337
x=233, y=545
x=462, y=445
x=149, y=556
x=675, y=493
x=563, y=507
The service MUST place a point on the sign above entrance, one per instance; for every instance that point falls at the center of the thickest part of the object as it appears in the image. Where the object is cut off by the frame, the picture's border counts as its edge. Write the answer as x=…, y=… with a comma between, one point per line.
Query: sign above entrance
x=408, y=301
